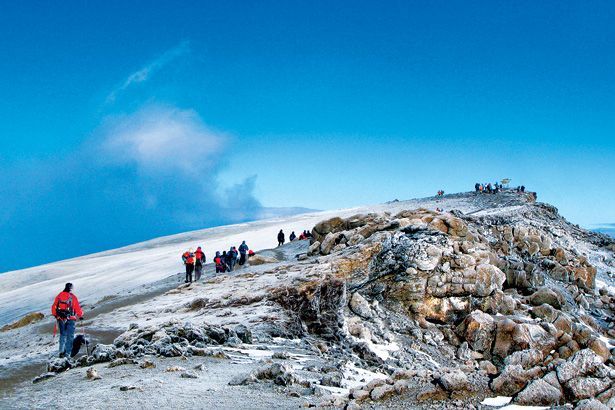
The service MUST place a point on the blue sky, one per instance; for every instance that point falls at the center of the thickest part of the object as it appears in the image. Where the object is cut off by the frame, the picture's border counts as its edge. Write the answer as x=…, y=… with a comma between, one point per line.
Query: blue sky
x=122, y=121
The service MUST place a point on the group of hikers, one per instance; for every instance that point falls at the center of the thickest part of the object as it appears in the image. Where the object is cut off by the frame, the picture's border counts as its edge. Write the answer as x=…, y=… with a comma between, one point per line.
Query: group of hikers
x=488, y=188
x=441, y=192
x=225, y=261
x=293, y=237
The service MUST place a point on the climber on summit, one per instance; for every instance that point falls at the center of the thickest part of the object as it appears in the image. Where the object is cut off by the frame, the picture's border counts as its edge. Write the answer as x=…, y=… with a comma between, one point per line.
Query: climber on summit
x=66, y=310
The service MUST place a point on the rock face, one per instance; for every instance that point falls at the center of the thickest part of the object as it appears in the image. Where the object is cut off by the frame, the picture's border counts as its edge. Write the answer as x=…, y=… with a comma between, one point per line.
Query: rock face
x=440, y=306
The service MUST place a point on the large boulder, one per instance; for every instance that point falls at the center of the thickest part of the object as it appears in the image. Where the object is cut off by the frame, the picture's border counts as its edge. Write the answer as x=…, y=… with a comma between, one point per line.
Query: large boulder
x=540, y=393
x=582, y=363
x=488, y=279
x=581, y=388
x=324, y=227
x=58, y=365
x=260, y=260
x=548, y=296
x=360, y=306
x=513, y=379
x=478, y=330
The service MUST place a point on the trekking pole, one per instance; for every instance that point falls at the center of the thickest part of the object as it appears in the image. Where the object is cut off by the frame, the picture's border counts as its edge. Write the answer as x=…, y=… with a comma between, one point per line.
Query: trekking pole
x=85, y=339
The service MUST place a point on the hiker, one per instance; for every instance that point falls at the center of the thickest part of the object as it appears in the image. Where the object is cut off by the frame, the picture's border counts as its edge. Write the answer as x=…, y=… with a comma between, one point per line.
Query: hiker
x=199, y=257
x=243, y=248
x=231, y=258
x=188, y=258
x=66, y=310
x=302, y=236
x=292, y=236
x=476, y=186
x=220, y=266
x=281, y=239
x=251, y=253
x=224, y=258
x=522, y=188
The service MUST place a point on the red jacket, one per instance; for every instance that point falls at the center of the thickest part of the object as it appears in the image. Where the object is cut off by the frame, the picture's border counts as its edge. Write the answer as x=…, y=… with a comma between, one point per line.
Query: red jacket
x=64, y=296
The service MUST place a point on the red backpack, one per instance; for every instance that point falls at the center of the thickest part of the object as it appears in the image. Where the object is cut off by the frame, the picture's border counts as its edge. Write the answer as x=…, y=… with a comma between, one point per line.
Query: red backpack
x=64, y=308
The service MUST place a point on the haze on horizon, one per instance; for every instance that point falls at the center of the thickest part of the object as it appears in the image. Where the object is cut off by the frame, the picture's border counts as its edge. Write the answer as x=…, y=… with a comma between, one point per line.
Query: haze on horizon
x=120, y=123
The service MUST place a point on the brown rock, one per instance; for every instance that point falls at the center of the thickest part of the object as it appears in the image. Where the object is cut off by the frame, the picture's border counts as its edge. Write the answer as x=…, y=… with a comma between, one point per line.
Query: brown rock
x=432, y=392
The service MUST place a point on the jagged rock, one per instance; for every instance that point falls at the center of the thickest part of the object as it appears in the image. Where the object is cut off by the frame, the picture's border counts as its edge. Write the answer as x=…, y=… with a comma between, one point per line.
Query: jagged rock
x=600, y=348
x=582, y=363
x=360, y=306
x=244, y=334
x=525, y=358
x=585, y=387
x=382, y=392
x=591, y=404
x=359, y=394
x=92, y=374
x=513, y=379
x=242, y=380
x=478, y=329
x=128, y=387
x=59, y=365
x=548, y=296
x=314, y=248
x=122, y=361
x=332, y=380
x=104, y=353
x=488, y=367
x=431, y=392
x=321, y=229
x=454, y=380
x=488, y=279
x=43, y=377
x=260, y=260
x=189, y=375
x=147, y=364
x=540, y=393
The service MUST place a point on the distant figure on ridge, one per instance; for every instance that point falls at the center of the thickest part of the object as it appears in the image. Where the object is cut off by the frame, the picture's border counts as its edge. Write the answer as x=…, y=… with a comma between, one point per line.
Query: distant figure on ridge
x=281, y=239
x=243, y=250
x=188, y=258
x=292, y=236
x=66, y=310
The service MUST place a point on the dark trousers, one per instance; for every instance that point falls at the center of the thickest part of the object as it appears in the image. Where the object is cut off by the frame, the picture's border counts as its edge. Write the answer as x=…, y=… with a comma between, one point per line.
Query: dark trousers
x=242, y=258
x=189, y=270
x=219, y=269
x=198, y=268
x=67, y=334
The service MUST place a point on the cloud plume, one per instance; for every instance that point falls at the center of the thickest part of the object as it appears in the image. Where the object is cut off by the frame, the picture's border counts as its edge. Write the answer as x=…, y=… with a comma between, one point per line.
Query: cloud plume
x=140, y=175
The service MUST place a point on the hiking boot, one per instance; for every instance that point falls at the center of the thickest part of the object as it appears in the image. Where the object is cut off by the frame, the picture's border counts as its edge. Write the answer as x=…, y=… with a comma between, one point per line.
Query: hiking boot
x=62, y=355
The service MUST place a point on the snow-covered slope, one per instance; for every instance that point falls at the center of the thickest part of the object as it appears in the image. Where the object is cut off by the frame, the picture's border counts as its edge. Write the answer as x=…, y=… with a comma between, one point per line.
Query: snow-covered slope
x=98, y=275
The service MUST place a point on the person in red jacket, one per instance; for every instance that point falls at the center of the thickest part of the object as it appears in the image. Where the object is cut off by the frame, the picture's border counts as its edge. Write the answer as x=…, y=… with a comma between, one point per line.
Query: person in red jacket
x=188, y=258
x=66, y=310
x=199, y=261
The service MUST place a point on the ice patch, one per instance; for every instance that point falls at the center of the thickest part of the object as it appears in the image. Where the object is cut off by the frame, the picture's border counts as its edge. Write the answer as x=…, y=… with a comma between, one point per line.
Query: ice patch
x=496, y=401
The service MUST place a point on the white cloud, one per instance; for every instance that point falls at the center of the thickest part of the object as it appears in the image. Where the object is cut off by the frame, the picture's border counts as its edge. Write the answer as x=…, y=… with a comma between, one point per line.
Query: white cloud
x=146, y=72
x=159, y=139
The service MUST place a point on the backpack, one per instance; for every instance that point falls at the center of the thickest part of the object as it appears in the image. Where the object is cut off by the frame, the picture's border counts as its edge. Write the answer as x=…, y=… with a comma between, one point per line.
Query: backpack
x=64, y=308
